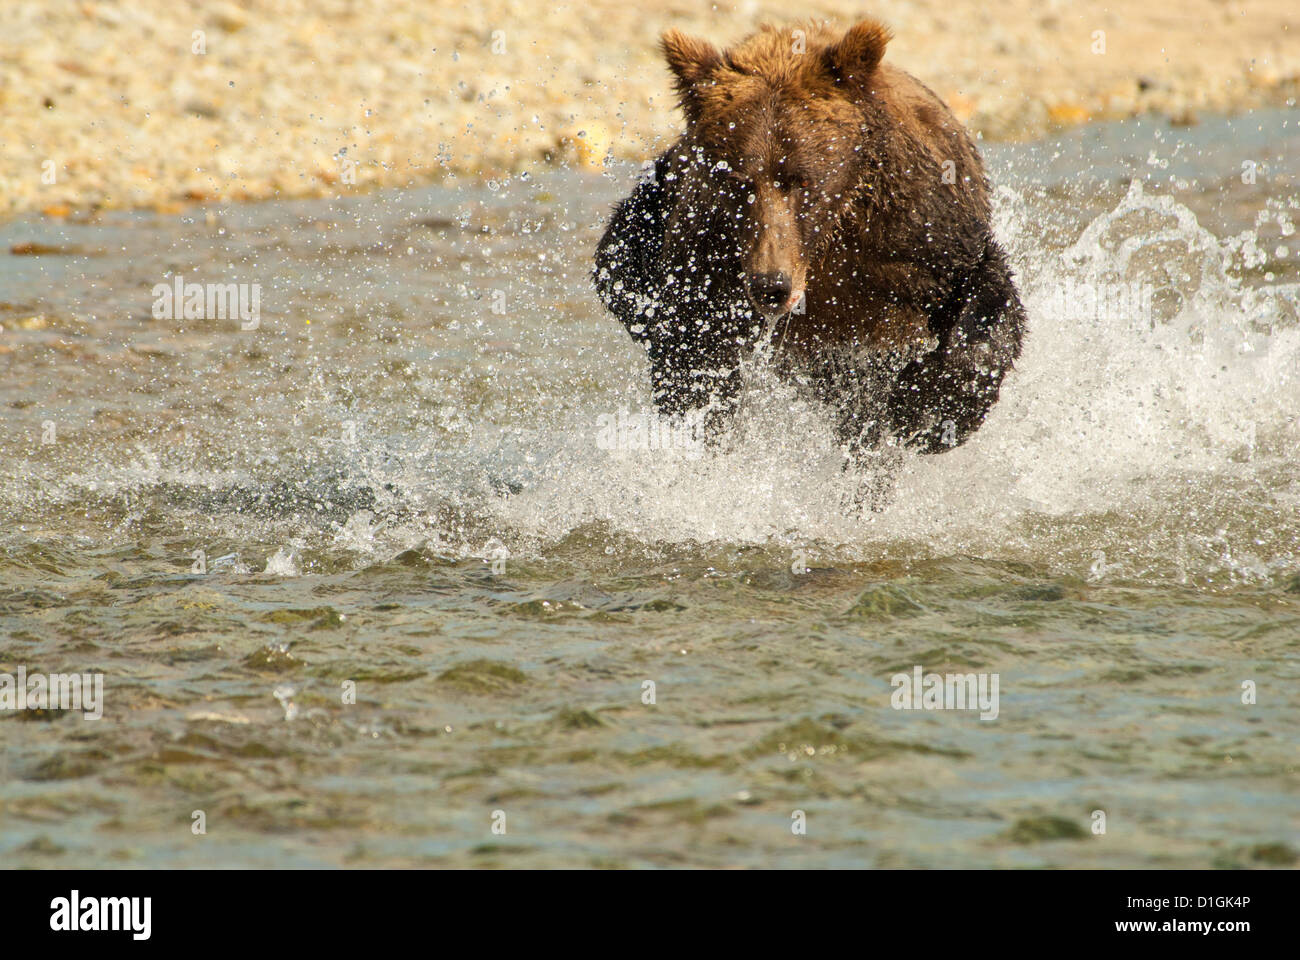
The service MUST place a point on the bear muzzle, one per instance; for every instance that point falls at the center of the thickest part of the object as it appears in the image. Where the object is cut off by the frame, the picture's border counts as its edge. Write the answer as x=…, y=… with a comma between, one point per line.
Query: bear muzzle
x=772, y=293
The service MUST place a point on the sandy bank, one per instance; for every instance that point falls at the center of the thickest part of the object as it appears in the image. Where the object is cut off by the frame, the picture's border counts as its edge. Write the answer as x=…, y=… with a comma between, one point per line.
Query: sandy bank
x=159, y=103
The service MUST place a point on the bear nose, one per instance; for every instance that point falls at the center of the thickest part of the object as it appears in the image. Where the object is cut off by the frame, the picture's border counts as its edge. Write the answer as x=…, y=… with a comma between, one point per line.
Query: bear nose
x=770, y=291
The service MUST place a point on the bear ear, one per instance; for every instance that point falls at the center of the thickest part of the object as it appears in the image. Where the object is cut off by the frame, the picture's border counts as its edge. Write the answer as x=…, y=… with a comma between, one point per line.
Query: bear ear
x=856, y=55
x=691, y=61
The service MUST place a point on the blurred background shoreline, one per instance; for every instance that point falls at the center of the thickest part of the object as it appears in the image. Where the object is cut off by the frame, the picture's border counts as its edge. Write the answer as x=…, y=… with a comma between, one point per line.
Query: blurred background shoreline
x=160, y=104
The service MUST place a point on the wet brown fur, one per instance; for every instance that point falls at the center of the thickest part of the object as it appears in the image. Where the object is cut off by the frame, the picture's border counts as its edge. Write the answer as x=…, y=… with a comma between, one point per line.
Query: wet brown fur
x=853, y=178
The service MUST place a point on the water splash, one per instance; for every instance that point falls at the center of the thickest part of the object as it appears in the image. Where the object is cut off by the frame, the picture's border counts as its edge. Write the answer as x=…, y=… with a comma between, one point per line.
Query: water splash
x=1156, y=427
x=1107, y=413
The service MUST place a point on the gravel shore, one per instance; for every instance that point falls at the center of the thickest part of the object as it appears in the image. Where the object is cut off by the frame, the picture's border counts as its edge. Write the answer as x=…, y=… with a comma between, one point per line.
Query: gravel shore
x=160, y=103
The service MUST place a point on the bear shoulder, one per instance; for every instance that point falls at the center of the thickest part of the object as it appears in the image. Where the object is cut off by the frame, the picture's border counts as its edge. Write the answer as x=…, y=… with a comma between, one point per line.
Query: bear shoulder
x=929, y=123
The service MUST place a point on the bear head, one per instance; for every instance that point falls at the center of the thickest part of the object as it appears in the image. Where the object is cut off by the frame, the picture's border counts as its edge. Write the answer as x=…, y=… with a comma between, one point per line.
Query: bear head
x=778, y=145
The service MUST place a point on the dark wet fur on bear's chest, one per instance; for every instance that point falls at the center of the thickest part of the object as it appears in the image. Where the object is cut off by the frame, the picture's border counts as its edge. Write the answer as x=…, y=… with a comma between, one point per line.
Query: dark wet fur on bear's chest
x=821, y=173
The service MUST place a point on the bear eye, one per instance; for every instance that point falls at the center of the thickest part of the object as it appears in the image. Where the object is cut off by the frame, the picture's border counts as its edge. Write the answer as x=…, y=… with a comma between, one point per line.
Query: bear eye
x=803, y=182
x=728, y=171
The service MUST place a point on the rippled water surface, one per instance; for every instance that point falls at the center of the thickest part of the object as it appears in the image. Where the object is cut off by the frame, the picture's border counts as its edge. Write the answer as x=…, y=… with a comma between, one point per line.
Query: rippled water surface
x=398, y=481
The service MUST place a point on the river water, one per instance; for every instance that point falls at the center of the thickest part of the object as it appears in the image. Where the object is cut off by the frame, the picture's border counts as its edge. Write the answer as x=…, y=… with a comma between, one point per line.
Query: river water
x=416, y=485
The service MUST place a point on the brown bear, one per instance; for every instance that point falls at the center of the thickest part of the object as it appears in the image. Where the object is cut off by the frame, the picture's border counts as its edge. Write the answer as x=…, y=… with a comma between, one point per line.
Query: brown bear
x=831, y=209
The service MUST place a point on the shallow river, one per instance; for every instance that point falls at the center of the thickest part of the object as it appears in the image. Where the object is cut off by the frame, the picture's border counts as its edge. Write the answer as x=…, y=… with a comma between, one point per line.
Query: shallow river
x=403, y=489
